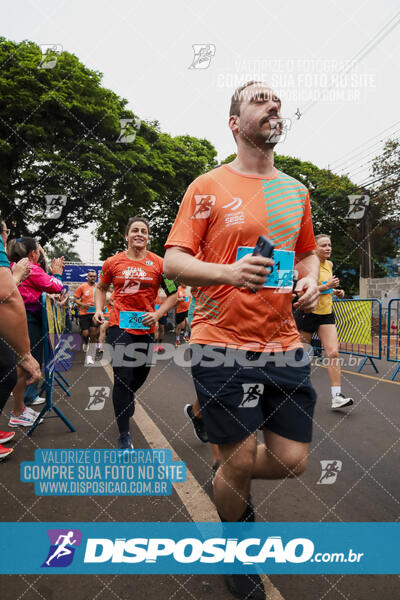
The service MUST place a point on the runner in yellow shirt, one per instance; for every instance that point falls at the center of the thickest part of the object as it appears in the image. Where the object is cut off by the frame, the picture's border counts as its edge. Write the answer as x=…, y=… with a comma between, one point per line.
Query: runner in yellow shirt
x=322, y=320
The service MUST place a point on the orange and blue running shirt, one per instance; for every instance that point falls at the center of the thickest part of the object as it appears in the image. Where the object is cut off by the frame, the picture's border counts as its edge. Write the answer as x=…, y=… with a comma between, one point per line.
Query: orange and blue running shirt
x=182, y=304
x=159, y=300
x=136, y=284
x=225, y=209
x=85, y=293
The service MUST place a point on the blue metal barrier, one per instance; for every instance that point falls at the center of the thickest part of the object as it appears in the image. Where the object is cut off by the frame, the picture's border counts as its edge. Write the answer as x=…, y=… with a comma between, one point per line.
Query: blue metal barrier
x=393, y=336
x=52, y=350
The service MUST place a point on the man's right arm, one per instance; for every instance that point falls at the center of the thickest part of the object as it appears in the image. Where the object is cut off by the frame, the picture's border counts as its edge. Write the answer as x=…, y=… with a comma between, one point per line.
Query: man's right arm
x=80, y=303
x=78, y=298
x=250, y=271
x=13, y=323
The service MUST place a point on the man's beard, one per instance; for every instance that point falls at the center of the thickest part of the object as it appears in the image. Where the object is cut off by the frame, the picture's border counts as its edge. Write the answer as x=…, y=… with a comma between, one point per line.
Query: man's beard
x=259, y=139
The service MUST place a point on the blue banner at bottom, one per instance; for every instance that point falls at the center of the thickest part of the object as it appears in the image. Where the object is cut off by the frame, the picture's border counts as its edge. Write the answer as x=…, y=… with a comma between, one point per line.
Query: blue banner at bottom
x=207, y=548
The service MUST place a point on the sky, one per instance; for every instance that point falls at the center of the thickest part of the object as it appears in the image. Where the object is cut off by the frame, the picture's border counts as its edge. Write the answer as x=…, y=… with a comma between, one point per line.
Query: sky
x=149, y=54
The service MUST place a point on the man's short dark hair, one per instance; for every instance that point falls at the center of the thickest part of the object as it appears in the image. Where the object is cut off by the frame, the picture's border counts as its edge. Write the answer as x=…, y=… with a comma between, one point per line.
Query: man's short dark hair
x=236, y=100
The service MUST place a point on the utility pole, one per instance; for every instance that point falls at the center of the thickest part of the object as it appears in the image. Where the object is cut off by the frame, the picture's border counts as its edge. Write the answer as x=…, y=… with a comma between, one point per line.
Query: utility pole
x=366, y=270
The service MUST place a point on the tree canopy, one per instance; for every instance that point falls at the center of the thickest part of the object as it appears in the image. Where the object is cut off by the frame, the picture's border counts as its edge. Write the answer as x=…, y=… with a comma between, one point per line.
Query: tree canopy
x=329, y=194
x=171, y=164
x=65, y=161
x=58, y=137
x=59, y=247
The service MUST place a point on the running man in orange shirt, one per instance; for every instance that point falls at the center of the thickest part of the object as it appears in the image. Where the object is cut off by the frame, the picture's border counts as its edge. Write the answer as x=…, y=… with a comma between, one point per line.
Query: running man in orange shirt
x=84, y=298
x=221, y=217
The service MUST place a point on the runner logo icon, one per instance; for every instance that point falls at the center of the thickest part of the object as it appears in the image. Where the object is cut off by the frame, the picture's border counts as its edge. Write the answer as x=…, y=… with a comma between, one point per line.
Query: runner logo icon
x=63, y=543
x=357, y=207
x=204, y=204
x=98, y=397
x=330, y=470
x=252, y=393
x=203, y=54
x=54, y=206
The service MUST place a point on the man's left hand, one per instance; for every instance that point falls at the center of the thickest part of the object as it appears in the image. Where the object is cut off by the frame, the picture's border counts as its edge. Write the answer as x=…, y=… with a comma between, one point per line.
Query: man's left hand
x=150, y=319
x=308, y=294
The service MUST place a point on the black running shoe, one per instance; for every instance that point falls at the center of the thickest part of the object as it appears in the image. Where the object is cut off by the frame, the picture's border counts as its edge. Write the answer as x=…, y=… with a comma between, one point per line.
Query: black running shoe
x=99, y=354
x=198, y=426
x=125, y=442
x=246, y=587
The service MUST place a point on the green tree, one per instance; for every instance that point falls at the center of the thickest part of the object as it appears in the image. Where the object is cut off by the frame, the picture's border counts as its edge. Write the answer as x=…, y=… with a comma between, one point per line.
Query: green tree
x=385, y=205
x=59, y=131
x=168, y=167
x=59, y=247
x=60, y=137
x=386, y=177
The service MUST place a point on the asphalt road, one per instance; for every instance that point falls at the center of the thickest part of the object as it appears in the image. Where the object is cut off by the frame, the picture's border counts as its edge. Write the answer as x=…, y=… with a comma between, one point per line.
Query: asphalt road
x=365, y=438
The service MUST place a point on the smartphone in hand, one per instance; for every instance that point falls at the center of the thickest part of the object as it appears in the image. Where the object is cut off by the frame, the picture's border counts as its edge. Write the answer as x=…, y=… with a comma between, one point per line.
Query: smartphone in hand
x=264, y=247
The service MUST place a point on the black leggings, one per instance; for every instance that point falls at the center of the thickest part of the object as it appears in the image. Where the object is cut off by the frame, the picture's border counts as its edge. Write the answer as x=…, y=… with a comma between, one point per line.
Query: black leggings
x=8, y=372
x=128, y=379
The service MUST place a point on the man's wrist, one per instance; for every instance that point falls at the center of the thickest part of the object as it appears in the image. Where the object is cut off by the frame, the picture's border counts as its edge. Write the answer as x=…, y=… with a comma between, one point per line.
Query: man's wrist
x=221, y=274
x=23, y=357
x=312, y=278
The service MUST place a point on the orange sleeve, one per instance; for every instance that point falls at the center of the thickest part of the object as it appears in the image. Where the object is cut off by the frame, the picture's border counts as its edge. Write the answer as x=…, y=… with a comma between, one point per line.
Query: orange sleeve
x=105, y=273
x=306, y=240
x=78, y=292
x=191, y=222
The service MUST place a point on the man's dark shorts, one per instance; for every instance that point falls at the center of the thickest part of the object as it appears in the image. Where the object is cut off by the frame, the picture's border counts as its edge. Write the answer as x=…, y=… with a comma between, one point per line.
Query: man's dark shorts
x=86, y=321
x=181, y=316
x=252, y=391
x=310, y=322
x=163, y=320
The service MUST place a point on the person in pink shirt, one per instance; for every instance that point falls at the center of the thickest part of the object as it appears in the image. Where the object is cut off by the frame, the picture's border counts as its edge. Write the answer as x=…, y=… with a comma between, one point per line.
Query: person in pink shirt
x=31, y=290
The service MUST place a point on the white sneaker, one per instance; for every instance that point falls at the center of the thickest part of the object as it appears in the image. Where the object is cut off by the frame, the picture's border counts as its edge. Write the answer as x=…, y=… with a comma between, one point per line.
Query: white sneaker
x=340, y=401
x=26, y=419
x=31, y=411
x=89, y=360
x=37, y=400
